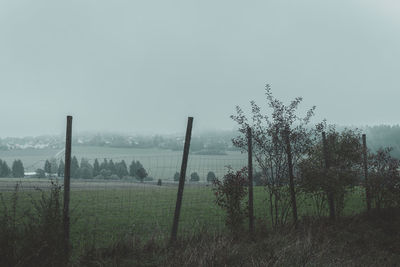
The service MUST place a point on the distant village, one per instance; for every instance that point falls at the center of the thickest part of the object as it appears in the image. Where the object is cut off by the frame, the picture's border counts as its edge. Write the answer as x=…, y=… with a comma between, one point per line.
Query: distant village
x=208, y=143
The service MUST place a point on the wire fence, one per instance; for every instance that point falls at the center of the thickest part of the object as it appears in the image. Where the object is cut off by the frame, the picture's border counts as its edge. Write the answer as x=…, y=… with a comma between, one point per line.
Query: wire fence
x=103, y=210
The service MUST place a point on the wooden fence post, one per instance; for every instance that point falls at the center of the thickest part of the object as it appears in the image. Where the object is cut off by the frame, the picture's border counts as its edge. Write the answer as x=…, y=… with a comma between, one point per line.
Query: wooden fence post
x=331, y=201
x=367, y=192
x=291, y=176
x=181, y=180
x=67, y=176
x=250, y=173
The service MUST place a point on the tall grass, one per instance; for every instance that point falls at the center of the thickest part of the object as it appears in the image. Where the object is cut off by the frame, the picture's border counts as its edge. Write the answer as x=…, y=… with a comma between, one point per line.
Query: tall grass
x=33, y=235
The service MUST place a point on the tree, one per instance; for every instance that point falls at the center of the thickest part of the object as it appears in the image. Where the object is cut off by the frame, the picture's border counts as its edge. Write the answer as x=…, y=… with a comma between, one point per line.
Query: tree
x=141, y=173
x=334, y=170
x=40, y=173
x=61, y=169
x=194, y=177
x=53, y=166
x=258, y=179
x=17, y=169
x=230, y=195
x=133, y=169
x=104, y=165
x=176, y=176
x=211, y=176
x=279, y=142
x=111, y=167
x=85, y=170
x=384, y=179
x=47, y=167
x=137, y=170
x=121, y=169
x=96, y=168
x=85, y=173
x=5, y=171
x=74, y=167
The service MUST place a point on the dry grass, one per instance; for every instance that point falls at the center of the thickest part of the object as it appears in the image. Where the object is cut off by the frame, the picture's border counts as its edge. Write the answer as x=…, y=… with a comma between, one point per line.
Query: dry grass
x=362, y=240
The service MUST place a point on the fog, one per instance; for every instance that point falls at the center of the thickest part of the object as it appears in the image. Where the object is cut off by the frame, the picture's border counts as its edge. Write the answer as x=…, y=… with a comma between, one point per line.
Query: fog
x=145, y=66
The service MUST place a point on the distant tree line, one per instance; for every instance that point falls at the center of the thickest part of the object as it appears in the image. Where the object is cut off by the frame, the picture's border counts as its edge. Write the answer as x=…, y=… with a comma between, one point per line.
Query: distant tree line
x=17, y=169
x=194, y=177
x=107, y=169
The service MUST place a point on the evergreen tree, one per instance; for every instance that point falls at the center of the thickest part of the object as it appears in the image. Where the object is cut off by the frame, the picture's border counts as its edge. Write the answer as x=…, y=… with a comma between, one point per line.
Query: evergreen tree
x=18, y=169
x=111, y=167
x=211, y=176
x=133, y=169
x=47, y=167
x=74, y=167
x=61, y=169
x=53, y=166
x=85, y=171
x=104, y=165
x=176, y=176
x=1, y=168
x=194, y=177
x=96, y=168
x=121, y=169
x=5, y=170
x=141, y=173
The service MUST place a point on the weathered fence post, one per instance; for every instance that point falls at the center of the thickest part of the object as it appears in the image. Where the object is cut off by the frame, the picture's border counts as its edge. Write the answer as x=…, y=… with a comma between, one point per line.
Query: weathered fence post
x=331, y=201
x=67, y=176
x=182, y=180
x=291, y=176
x=250, y=173
x=367, y=195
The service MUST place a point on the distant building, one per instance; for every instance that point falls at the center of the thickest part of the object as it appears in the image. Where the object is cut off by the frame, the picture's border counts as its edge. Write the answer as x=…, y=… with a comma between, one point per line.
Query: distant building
x=30, y=174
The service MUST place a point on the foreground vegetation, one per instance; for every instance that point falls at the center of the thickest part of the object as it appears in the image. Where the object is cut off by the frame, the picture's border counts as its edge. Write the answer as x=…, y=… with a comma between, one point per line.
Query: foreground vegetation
x=31, y=233
x=361, y=240
x=103, y=217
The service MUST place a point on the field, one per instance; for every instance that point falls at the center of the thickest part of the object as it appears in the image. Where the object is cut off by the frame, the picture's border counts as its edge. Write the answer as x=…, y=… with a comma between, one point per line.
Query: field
x=103, y=212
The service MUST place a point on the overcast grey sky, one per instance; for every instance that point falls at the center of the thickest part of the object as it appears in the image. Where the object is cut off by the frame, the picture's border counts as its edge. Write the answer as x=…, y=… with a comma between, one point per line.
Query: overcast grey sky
x=144, y=66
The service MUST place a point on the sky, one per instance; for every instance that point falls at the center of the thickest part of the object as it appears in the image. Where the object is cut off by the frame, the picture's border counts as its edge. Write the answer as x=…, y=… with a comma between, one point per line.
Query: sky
x=145, y=66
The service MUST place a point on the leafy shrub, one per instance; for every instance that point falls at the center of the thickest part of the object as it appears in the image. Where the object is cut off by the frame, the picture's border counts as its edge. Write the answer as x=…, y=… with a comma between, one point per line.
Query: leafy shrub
x=230, y=195
x=114, y=177
x=159, y=182
x=384, y=179
x=344, y=156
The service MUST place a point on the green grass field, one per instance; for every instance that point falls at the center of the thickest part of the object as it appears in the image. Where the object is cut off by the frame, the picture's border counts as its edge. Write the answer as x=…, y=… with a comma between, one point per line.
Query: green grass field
x=102, y=215
x=104, y=211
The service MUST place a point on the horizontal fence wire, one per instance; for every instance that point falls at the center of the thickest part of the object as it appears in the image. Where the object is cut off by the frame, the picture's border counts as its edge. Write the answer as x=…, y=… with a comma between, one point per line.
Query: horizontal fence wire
x=105, y=210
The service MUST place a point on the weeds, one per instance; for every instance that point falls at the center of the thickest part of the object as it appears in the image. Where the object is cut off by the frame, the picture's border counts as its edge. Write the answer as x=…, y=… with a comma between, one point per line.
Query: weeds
x=33, y=236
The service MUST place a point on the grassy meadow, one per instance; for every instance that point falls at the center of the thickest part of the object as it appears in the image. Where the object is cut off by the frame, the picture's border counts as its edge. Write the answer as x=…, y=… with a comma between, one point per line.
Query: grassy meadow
x=103, y=214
